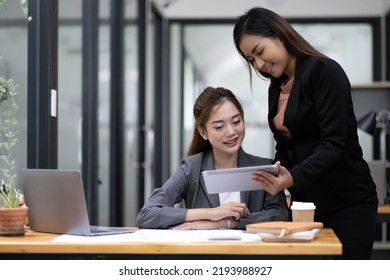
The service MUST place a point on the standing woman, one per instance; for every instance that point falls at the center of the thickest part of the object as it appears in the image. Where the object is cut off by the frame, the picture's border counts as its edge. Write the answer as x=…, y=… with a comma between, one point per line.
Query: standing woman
x=312, y=119
x=216, y=144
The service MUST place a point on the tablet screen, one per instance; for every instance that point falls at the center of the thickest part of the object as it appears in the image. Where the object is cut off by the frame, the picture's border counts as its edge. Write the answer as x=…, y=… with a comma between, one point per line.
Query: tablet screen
x=234, y=179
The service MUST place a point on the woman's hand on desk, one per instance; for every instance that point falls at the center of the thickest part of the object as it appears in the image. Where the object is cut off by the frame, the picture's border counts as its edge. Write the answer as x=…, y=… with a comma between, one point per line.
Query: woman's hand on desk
x=237, y=210
x=202, y=224
x=214, y=218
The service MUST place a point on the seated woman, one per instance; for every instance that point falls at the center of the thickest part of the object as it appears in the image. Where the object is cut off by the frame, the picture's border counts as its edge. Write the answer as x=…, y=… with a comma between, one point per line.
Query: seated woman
x=218, y=133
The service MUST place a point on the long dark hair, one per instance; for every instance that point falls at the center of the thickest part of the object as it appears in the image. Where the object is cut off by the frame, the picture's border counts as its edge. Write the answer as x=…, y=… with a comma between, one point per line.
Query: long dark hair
x=204, y=104
x=266, y=23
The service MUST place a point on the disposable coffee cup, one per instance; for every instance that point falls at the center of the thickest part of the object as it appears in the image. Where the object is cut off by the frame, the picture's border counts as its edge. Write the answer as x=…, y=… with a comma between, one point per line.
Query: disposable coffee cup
x=302, y=211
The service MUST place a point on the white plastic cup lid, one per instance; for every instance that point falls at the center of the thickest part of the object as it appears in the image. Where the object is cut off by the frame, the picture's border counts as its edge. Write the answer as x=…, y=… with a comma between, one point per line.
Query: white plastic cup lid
x=296, y=205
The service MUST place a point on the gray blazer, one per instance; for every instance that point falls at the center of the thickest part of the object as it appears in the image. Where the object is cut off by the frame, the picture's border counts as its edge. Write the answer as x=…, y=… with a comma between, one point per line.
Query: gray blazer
x=186, y=185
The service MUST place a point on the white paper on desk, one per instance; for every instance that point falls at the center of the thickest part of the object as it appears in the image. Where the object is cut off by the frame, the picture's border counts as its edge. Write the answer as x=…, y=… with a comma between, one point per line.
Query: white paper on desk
x=226, y=236
x=112, y=238
x=155, y=235
x=164, y=236
x=142, y=235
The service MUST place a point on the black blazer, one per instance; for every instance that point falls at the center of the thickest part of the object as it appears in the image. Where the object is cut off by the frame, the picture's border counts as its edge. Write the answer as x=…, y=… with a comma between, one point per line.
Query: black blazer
x=323, y=154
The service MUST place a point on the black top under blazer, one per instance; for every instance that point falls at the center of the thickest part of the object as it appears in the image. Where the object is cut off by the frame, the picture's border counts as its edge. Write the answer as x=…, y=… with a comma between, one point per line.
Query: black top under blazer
x=323, y=155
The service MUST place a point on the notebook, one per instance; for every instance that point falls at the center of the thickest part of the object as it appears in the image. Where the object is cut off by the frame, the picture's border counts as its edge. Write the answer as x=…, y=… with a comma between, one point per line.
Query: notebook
x=281, y=227
x=57, y=204
x=234, y=179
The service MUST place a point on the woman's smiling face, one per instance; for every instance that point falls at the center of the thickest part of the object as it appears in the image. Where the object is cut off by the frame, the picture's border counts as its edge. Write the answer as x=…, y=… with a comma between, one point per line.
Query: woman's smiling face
x=268, y=55
x=225, y=129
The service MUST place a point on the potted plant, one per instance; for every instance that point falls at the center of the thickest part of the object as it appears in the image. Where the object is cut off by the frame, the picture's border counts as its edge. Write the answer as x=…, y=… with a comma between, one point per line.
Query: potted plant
x=13, y=212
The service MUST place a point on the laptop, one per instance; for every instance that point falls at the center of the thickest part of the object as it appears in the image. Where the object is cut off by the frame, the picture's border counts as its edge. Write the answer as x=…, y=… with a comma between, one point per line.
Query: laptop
x=56, y=203
x=234, y=179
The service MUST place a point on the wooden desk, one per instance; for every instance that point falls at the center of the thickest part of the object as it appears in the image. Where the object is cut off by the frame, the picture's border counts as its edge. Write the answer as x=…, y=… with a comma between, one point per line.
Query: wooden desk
x=384, y=218
x=384, y=211
x=325, y=245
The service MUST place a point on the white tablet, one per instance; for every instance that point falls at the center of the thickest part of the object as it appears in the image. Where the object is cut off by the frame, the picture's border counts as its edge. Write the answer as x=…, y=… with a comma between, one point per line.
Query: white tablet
x=234, y=179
